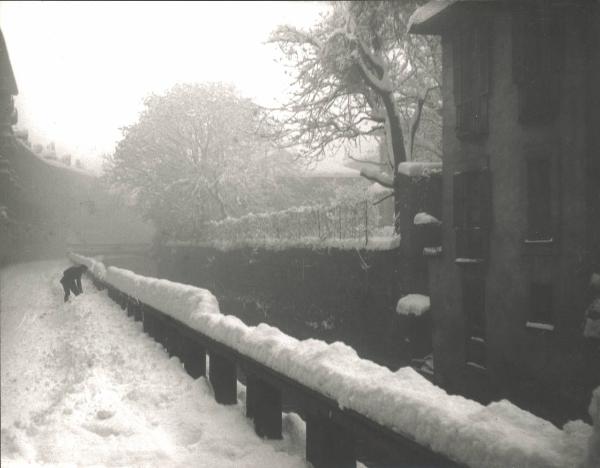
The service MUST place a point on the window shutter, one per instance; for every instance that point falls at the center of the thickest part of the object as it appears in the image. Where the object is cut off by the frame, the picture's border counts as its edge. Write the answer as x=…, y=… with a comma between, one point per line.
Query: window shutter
x=520, y=43
x=484, y=53
x=459, y=201
x=539, y=199
x=538, y=55
x=472, y=55
x=540, y=303
x=552, y=66
x=485, y=193
x=472, y=213
x=473, y=305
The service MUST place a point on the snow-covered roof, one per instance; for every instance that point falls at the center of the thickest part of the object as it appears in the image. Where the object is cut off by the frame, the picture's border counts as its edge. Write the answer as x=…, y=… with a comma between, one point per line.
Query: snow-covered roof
x=413, y=304
x=57, y=164
x=419, y=169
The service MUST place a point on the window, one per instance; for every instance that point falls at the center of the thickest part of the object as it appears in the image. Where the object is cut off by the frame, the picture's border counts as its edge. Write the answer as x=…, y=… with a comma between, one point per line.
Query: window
x=472, y=213
x=473, y=297
x=541, y=313
x=538, y=55
x=472, y=78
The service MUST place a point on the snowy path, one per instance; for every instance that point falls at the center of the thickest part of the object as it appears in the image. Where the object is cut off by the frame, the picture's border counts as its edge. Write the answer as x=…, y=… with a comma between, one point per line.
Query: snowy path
x=82, y=385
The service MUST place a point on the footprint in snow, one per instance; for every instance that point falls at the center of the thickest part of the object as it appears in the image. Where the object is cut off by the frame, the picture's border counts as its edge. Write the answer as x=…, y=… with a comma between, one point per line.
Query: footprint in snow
x=105, y=414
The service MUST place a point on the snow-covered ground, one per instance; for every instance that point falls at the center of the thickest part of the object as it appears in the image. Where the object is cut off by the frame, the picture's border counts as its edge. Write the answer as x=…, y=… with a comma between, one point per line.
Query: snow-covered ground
x=82, y=385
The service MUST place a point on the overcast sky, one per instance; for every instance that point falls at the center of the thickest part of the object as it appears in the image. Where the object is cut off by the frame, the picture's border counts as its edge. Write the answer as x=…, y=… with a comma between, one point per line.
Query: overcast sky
x=83, y=68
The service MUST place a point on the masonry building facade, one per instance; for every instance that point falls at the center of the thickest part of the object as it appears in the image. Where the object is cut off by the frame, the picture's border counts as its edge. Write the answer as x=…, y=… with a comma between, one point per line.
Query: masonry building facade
x=520, y=200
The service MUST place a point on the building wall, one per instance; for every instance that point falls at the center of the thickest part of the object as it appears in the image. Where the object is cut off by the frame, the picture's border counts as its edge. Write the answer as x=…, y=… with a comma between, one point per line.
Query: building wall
x=519, y=359
x=50, y=207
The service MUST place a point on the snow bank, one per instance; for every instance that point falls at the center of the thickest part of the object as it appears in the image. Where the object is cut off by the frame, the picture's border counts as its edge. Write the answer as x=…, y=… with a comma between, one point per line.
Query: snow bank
x=426, y=218
x=413, y=304
x=497, y=435
x=83, y=386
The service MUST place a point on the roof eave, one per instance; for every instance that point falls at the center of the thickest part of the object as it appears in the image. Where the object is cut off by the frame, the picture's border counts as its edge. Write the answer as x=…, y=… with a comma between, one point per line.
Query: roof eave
x=440, y=15
x=8, y=84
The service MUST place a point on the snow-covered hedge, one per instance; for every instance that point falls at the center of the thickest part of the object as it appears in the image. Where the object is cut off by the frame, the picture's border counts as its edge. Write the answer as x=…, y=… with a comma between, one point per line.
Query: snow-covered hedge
x=497, y=435
x=346, y=224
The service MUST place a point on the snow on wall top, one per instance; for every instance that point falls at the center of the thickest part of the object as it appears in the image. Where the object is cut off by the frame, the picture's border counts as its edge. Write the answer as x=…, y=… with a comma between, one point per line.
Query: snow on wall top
x=96, y=267
x=413, y=304
x=497, y=435
x=419, y=169
x=181, y=301
x=426, y=218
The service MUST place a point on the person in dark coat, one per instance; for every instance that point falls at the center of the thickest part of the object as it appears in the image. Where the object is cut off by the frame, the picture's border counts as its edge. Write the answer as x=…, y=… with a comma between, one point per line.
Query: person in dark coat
x=71, y=280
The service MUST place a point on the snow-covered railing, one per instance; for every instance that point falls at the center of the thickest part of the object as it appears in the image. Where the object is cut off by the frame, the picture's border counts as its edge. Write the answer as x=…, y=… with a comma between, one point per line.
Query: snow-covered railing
x=343, y=398
x=357, y=221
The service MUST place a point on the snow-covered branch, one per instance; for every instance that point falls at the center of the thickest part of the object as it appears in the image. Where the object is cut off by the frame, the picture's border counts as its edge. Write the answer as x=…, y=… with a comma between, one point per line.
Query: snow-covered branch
x=382, y=178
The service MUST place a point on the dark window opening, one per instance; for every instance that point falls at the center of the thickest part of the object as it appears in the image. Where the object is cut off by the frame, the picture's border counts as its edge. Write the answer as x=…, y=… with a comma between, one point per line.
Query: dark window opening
x=472, y=213
x=471, y=78
x=538, y=56
x=540, y=303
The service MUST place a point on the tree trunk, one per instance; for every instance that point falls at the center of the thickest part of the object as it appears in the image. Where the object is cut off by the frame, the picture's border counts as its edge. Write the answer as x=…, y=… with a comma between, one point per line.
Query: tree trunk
x=396, y=136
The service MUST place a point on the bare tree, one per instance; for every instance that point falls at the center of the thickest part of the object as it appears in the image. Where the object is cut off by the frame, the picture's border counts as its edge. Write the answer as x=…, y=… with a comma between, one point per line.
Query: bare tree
x=358, y=74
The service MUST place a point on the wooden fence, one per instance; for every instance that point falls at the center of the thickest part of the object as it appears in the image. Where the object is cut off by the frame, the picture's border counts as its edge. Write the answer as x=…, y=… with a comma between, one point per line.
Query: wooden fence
x=335, y=437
